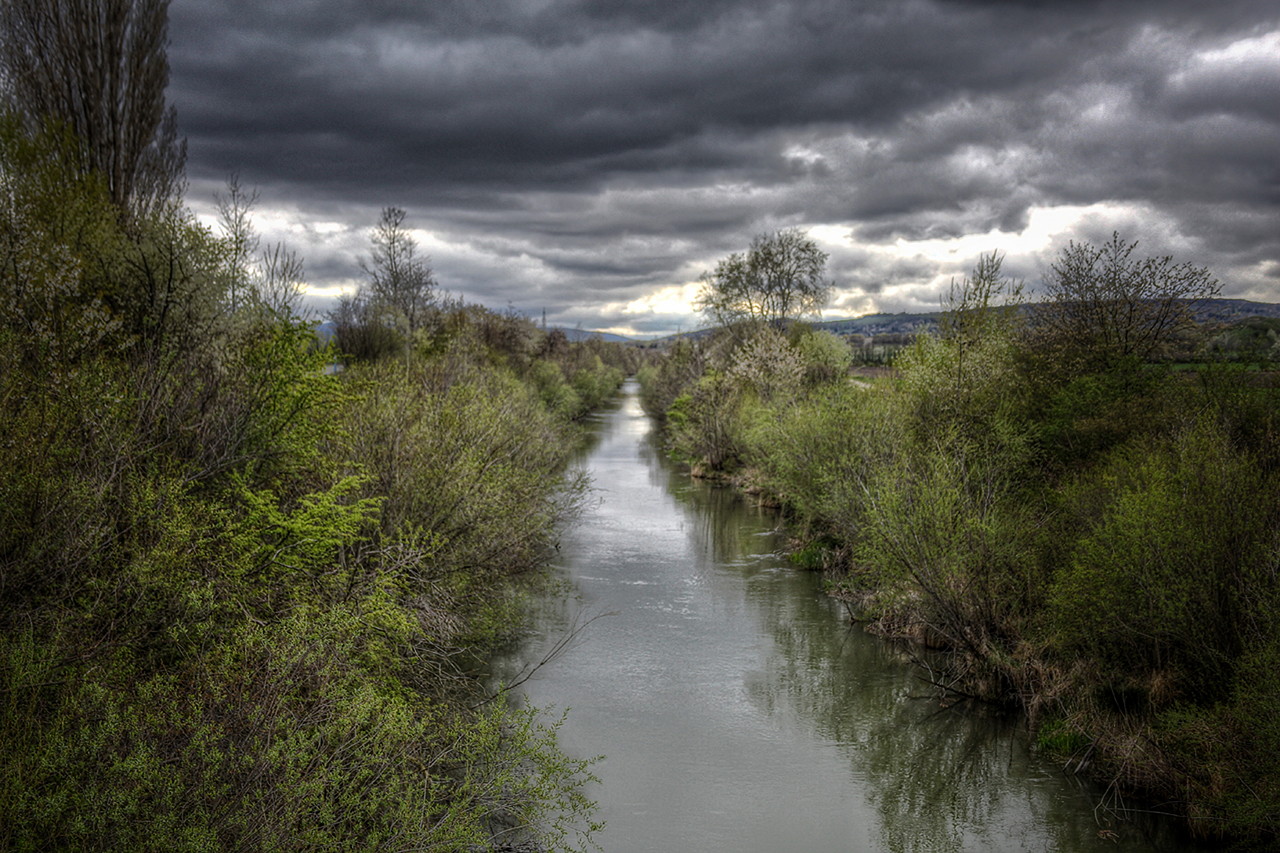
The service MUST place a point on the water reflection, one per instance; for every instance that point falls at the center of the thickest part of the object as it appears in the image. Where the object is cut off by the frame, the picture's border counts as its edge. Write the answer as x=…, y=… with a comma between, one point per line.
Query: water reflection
x=737, y=709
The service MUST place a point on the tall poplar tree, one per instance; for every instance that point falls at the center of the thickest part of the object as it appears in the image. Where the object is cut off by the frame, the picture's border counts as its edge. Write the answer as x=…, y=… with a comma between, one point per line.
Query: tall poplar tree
x=99, y=67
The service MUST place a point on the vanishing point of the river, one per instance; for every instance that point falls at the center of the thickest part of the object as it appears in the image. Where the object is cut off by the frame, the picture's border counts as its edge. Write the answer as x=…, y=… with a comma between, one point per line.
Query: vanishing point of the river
x=738, y=711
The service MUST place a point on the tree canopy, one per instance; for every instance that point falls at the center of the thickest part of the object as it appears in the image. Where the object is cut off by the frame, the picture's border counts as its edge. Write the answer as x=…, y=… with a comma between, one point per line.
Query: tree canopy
x=99, y=67
x=780, y=278
x=1102, y=305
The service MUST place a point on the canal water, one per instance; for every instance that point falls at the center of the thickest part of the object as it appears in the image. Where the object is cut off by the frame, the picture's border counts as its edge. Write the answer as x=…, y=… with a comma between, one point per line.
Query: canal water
x=736, y=708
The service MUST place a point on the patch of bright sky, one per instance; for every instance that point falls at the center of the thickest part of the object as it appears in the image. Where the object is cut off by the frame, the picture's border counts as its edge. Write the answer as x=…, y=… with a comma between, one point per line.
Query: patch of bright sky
x=330, y=227
x=804, y=154
x=1045, y=226
x=672, y=299
x=1047, y=231
x=1260, y=49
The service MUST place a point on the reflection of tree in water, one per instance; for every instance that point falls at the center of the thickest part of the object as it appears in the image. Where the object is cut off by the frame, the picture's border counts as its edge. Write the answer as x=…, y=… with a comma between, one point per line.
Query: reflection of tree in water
x=729, y=528
x=596, y=427
x=940, y=779
x=554, y=614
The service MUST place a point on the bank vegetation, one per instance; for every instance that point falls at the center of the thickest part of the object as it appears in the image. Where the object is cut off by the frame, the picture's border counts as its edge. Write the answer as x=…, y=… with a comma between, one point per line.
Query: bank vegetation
x=241, y=594
x=1089, y=529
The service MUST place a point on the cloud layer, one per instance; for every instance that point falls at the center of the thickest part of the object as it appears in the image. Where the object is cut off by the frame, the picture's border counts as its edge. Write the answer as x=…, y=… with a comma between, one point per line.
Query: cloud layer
x=592, y=158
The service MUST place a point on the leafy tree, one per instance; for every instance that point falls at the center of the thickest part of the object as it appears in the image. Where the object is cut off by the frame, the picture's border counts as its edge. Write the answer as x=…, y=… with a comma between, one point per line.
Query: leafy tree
x=970, y=308
x=966, y=376
x=59, y=298
x=826, y=357
x=387, y=312
x=1170, y=560
x=99, y=67
x=768, y=364
x=778, y=279
x=662, y=383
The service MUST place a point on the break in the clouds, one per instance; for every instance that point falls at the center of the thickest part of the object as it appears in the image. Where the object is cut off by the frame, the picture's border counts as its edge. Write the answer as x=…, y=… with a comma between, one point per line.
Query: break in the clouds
x=591, y=159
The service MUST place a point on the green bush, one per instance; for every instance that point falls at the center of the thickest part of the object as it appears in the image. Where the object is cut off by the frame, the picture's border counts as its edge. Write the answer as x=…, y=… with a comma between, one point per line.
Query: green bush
x=478, y=464
x=952, y=523
x=826, y=357
x=820, y=455
x=237, y=596
x=681, y=366
x=273, y=739
x=1175, y=534
x=703, y=426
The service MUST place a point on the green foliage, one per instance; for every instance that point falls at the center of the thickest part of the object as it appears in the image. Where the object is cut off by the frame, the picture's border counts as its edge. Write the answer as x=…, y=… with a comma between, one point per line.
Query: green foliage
x=967, y=378
x=556, y=394
x=777, y=280
x=1161, y=574
x=660, y=385
x=821, y=454
x=767, y=364
x=74, y=281
x=595, y=382
x=825, y=356
x=214, y=637
x=1247, y=407
x=592, y=382
x=950, y=520
x=1251, y=801
x=477, y=464
x=1093, y=413
x=817, y=555
x=237, y=591
x=1252, y=340
x=59, y=246
x=1088, y=534
x=703, y=427
x=1059, y=738
x=273, y=740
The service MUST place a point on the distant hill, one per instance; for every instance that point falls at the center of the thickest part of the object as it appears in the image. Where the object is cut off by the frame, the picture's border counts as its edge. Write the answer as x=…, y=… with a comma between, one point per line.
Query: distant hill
x=1217, y=311
x=867, y=326
x=1233, y=310
x=576, y=335
x=1209, y=311
x=1224, y=311
x=882, y=324
x=325, y=332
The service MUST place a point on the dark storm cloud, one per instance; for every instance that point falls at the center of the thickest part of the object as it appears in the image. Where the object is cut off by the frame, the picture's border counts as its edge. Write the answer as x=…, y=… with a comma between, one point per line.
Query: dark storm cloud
x=578, y=154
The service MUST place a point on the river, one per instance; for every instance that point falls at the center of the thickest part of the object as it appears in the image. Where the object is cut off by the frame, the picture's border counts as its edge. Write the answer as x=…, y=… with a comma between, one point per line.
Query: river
x=736, y=708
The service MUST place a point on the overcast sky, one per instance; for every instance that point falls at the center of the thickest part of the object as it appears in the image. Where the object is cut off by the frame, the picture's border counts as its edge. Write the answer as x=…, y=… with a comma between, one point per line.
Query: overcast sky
x=591, y=159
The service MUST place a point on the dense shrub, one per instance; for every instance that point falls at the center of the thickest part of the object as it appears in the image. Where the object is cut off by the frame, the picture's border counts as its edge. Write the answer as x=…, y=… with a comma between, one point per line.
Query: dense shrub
x=825, y=356
x=1167, y=561
x=238, y=592
x=821, y=454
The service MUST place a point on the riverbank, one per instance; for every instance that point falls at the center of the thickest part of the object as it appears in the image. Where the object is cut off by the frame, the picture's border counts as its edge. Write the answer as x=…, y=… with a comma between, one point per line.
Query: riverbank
x=241, y=595
x=1096, y=549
